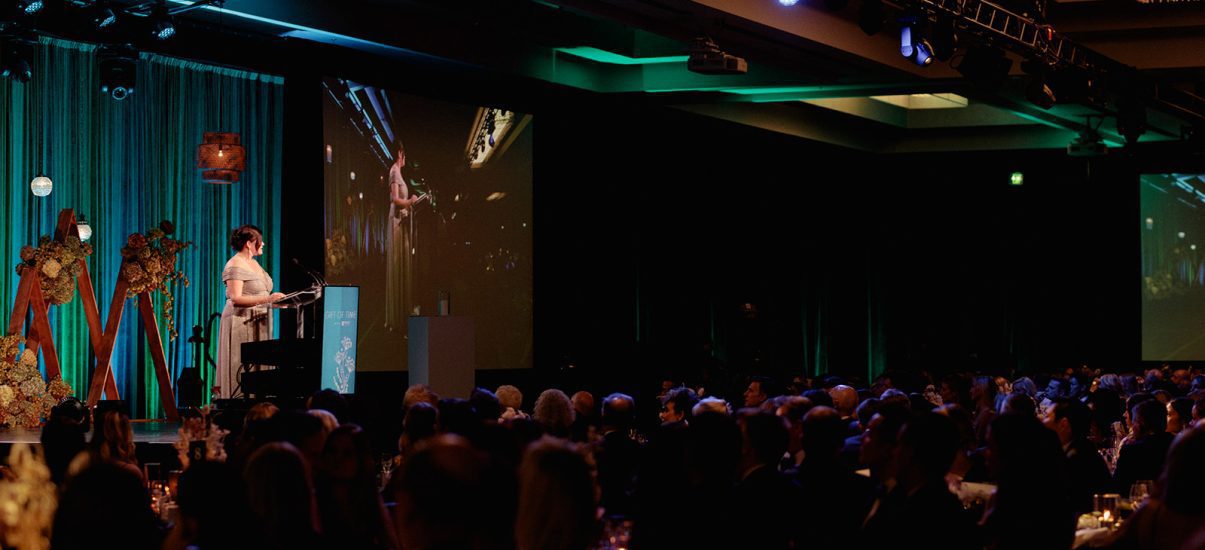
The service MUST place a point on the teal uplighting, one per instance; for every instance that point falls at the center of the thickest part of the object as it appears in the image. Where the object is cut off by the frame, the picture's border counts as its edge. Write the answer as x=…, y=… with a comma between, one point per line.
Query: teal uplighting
x=1016, y=179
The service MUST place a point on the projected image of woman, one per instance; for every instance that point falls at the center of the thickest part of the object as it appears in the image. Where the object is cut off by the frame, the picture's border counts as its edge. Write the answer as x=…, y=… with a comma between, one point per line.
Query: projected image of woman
x=399, y=254
x=246, y=317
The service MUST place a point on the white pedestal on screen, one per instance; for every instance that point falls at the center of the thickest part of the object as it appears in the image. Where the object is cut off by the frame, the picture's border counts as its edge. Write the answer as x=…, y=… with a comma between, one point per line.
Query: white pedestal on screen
x=442, y=354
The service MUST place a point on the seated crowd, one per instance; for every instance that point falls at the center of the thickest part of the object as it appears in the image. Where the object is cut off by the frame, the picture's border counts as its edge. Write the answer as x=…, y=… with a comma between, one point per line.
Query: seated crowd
x=816, y=464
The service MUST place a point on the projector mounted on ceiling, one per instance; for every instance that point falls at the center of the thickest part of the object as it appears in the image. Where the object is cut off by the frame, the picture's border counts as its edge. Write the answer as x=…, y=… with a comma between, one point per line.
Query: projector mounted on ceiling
x=1087, y=144
x=707, y=58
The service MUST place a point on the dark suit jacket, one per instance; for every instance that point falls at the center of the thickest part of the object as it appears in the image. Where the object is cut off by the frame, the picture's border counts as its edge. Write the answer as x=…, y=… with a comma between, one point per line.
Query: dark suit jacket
x=1142, y=459
x=1088, y=473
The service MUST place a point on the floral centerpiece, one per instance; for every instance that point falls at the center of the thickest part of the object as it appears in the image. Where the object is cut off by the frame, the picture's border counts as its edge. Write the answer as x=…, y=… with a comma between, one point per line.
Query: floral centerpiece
x=25, y=399
x=149, y=263
x=58, y=264
x=201, y=439
x=28, y=499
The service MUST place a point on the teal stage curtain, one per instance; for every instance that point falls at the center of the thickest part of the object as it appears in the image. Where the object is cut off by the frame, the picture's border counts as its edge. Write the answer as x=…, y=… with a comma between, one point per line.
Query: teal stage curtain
x=127, y=165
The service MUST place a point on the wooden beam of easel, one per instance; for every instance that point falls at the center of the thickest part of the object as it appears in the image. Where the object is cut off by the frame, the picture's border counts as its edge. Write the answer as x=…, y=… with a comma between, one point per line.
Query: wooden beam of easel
x=41, y=329
x=102, y=374
x=16, y=322
x=167, y=396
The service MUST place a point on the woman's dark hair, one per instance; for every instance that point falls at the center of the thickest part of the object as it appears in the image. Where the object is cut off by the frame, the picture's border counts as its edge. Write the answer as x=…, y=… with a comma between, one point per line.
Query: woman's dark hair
x=243, y=235
x=1183, y=479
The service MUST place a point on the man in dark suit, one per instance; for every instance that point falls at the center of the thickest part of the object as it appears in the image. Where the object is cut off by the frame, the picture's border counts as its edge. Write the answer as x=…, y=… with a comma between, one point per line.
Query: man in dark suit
x=617, y=455
x=920, y=511
x=766, y=500
x=1089, y=474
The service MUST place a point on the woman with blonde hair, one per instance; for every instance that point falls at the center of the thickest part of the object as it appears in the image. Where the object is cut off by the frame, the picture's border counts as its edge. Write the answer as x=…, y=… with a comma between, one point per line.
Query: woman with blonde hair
x=558, y=499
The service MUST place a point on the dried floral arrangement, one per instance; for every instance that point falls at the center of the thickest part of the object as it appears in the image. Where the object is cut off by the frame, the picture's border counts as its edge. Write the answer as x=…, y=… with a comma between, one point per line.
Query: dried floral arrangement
x=149, y=264
x=58, y=264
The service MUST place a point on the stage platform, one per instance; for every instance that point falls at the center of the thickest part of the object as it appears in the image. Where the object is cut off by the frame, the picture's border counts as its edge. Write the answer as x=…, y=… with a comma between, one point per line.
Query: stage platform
x=151, y=432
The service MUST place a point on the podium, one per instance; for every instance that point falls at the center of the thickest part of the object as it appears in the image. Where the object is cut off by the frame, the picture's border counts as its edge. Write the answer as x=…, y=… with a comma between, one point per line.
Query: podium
x=442, y=354
x=297, y=301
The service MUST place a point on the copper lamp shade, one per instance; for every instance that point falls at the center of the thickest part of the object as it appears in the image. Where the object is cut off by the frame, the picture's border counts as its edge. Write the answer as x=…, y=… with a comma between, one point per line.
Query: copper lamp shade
x=221, y=158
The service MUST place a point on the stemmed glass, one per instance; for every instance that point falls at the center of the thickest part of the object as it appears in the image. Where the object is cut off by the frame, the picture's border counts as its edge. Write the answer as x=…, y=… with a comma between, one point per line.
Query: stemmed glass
x=1139, y=492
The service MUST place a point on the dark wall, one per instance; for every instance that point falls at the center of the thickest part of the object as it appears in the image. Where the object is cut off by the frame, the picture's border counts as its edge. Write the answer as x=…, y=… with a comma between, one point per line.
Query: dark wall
x=654, y=227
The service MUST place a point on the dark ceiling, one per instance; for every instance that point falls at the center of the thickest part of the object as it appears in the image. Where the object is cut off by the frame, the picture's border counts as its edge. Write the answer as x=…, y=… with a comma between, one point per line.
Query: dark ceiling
x=811, y=71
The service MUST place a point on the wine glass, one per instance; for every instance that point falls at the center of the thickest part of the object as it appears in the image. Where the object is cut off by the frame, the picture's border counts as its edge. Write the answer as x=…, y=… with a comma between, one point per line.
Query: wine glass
x=1139, y=492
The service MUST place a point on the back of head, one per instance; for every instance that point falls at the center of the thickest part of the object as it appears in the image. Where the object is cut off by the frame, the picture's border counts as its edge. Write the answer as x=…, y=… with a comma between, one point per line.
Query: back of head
x=457, y=416
x=556, y=498
x=1183, y=478
x=893, y=398
x=509, y=396
x=61, y=441
x=328, y=419
x=329, y=400
x=1024, y=455
x=793, y=408
x=554, y=412
x=928, y=442
x=444, y=498
x=113, y=438
x=845, y=399
x=583, y=403
x=618, y=412
x=964, y=424
x=348, y=456
x=819, y=398
x=1019, y=403
x=211, y=496
x=260, y=411
x=823, y=433
x=711, y=405
x=420, y=422
x=419, y=392
x=106, y=499
x=485, y=404
x=765, y=435
x=866, y=410
x=74, y=411
x=279, y=491
x=1078, y=416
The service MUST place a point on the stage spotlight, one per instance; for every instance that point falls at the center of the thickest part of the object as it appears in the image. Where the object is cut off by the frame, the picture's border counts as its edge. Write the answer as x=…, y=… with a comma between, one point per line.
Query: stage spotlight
x=118, y=70
x=913, y=45
x=30, y=7
x=162, y=27
x=104, y=16
x=13, y=62
x=872, y=17
x=788, y=3
x=985, y=67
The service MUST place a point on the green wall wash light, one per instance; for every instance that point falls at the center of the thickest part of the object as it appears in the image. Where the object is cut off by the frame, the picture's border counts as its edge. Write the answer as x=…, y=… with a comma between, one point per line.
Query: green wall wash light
x=1016, y=179
x=611, y=58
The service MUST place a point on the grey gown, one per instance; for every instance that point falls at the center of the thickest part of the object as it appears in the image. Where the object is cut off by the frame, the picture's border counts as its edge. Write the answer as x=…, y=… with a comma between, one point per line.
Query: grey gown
x=241, y=324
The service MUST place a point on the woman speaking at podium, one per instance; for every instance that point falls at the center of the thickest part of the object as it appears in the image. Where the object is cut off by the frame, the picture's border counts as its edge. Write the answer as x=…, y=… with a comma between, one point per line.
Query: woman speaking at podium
x=246, y=317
